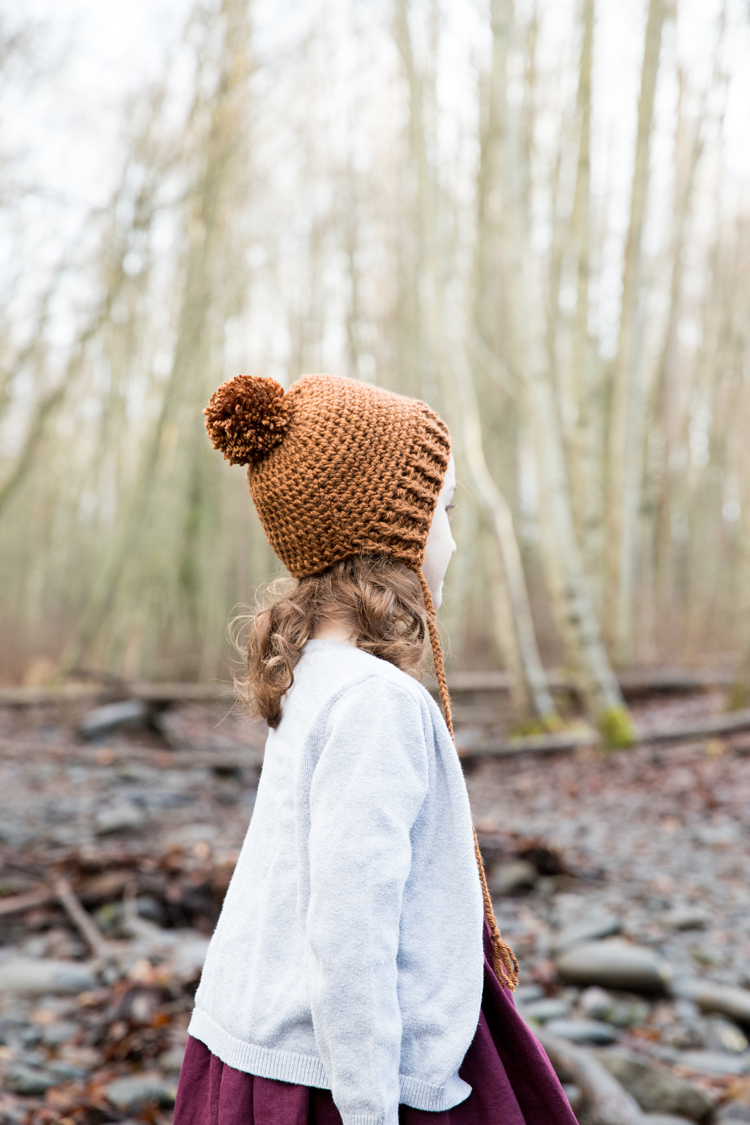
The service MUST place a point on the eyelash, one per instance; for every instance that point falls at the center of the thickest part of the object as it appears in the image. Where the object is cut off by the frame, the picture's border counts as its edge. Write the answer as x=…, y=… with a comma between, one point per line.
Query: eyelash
x=449, y=507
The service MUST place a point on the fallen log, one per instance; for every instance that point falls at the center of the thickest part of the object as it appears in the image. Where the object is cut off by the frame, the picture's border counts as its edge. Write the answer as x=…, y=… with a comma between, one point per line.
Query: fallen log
x=728, y=723
x=634, y=681
x=15, y=904
x=606, y=1101
x=154, y=693
x=529, y=744
x=731, y=723
x=84, y=923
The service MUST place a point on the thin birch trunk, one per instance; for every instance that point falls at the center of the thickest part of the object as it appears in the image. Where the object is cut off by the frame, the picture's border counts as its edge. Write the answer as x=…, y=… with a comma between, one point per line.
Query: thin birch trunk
x=509, y=598
x=170, y=503
x=572, y=603
x=586, y=449
x=626, y=424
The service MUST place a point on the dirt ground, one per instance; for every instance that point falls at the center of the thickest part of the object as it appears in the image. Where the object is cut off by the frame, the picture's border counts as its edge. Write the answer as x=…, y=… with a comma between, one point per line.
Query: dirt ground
x=141, y=828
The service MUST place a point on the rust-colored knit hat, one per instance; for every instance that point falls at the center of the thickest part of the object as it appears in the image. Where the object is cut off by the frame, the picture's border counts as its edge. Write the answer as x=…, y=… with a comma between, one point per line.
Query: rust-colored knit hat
x=335, y=467
x=339, y=468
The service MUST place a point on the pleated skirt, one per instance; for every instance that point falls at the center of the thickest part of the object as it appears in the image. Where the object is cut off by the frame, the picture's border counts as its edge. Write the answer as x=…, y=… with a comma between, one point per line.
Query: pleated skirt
x=511, y=1078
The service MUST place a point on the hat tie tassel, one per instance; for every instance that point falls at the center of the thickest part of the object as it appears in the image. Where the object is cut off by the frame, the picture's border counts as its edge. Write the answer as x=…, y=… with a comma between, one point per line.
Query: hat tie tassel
x=505, y=964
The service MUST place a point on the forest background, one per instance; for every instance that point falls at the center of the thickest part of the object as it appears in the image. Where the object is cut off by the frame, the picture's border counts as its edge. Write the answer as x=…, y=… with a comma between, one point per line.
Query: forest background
x=534, y=214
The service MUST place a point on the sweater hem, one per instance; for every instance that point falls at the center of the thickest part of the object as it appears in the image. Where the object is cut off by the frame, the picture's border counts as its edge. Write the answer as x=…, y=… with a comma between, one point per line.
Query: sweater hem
x=266, y=1062
x=307, y=1070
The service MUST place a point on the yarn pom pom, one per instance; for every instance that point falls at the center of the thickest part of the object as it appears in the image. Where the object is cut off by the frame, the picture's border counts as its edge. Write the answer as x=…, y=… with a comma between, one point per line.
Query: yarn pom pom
x=246, y=417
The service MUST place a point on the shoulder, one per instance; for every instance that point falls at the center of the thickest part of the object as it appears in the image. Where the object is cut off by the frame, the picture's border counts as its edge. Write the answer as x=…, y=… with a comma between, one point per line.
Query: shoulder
x=342, y=666
x=345, y=685
x=381, y=688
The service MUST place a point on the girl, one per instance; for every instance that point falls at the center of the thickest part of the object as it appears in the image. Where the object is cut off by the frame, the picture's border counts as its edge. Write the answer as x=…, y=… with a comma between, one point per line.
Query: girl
x=351, y=972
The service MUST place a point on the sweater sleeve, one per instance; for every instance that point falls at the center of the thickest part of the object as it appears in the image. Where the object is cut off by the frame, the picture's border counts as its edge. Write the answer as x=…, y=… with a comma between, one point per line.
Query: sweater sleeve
x=368, y=786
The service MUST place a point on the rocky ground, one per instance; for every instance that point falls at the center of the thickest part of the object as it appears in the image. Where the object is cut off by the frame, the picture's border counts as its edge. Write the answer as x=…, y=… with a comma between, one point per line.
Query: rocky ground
x=621, y=881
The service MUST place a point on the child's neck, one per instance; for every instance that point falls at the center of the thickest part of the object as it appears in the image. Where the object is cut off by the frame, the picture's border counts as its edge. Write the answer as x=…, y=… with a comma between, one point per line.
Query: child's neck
x=334, y=631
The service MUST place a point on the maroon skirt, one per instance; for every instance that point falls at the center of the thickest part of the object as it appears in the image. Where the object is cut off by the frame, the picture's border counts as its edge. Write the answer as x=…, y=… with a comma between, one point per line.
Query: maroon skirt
x=512, y=1082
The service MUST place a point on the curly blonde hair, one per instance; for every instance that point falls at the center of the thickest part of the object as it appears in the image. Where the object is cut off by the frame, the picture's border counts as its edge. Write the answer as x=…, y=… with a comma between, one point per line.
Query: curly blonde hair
x=380, y=601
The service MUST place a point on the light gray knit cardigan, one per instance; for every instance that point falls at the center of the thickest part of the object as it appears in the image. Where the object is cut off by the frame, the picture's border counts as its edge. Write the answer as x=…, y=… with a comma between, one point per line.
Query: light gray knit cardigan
x=348, y=954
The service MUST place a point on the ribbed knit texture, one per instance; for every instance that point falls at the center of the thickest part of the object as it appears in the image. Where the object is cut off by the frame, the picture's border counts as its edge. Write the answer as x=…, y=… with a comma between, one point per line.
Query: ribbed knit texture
x=339, y=468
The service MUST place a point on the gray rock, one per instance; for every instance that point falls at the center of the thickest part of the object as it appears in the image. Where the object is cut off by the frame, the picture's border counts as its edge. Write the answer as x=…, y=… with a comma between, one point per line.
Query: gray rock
x=516, y=875
x=629, y=1013
x=527, y=993
x=129, y=714
x=721, y=1035
x=588, y=929
x=614, y=964
x=731, y=1112
x=138, y=1090
x=684, y=918
x=656, y=1090
x=596, y=1003
x=550, y=1008
x=26, y=974
x=189, y=953
x=688, y=1036
x=724, y=999
x=171, y=1061
x=583, y=1031
x=573, y=1094
x=123, y=817
x=665, y=1119
x=65, y=1071
x=715, y=1062
x=22, y=1079
x=56, y=1033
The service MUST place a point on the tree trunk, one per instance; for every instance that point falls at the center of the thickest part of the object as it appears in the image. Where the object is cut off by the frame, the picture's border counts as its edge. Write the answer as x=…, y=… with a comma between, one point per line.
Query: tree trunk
x=509, y=598
x=157, y=559
x=626, y=424
x=571, y=601
x=586, y=444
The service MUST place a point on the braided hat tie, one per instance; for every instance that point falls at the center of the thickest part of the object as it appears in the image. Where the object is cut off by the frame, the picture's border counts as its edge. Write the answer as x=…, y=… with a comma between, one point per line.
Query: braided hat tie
x=338, y=468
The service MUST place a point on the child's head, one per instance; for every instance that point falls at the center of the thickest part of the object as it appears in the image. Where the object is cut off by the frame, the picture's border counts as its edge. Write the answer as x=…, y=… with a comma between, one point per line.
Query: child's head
x=352, y=485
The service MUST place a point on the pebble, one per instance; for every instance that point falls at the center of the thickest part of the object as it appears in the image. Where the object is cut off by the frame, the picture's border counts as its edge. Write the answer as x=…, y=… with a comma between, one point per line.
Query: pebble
x=724, y=999
x=596, y=1003
x=22, y=1079
x=731, y=1112
x=583, y=1031
x=715, y=1062
x=188, y=953
x=614, y=964
x=129, y=714
x=65, y=1071
x=125, y=817
x=656, y=1090
x=588, y=929
x=516, y=875
x=56, y=1033
x=27, y=974
x=665, y=1119
x=721, y=1035
x=137, y=1090
x=550, y=1008
x=171, y=1061
x=684, y=918
x=573, y=1094
x=527, y=993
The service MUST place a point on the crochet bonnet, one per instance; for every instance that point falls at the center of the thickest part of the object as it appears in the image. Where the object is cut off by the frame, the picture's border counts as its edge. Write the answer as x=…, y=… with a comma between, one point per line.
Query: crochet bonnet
x=339, y=468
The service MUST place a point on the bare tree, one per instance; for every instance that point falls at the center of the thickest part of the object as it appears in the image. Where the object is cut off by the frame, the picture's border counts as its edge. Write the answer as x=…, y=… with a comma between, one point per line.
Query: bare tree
x=626, y=421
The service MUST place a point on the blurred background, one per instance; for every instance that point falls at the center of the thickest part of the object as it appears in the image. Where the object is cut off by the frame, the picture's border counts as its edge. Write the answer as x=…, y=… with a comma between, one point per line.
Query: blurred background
x=533, y=215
